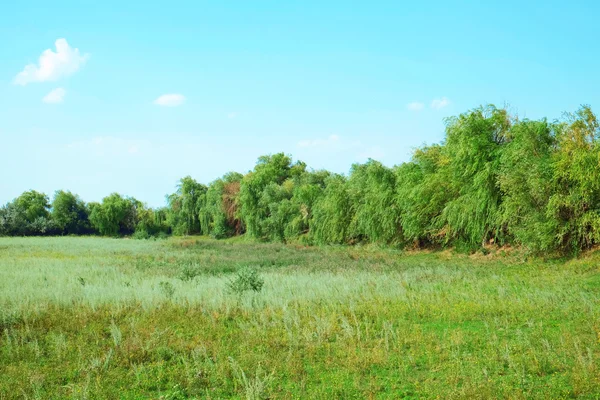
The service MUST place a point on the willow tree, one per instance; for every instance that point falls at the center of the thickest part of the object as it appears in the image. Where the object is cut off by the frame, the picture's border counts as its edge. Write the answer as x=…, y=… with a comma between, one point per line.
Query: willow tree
x=376, y=216
x=152, y=222
x=185, y=205
x=280, y=211
x=422, y=191
x=221, y=211
x=332, y=213
x=116, y=215
x=474, y=142
x=70, y=213
x=272, y=169
x=308, y=187
x=575, y=203
x=526, y=180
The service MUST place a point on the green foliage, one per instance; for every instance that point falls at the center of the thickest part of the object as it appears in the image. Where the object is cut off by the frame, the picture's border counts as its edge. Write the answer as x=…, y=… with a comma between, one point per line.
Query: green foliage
x=423, y=189
x=270, y=171
x=329, y=323
x=494, y=179
x=185, y=206
x=246, y=279
x=189, y=272
x=222, y=206
x=332, y=213
x=70, y=213
x=474, y=143
x=574, y=205
x=526, y=181
x=376, y=216
x=116, y=215
x=33, y=205
x=167, y=289
x=151, y=223
x=12, y=221
x=28, y=214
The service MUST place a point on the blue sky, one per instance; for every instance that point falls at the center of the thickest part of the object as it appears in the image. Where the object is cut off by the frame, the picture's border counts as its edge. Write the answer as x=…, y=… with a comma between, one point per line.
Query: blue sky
x=331, y=83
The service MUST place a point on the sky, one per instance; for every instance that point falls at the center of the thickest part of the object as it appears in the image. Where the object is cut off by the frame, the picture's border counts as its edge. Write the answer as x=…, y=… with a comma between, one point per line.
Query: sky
x=130, y=96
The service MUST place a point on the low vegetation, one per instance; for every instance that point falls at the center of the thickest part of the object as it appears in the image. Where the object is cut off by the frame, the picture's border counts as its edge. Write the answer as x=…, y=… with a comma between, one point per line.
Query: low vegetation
x=102, y=318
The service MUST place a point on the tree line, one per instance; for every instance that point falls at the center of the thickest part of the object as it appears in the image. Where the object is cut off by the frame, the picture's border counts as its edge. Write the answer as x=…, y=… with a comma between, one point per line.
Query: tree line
x=494, y=179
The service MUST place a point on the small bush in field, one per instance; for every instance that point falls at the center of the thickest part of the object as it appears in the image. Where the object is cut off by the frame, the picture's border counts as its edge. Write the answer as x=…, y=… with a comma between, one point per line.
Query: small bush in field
x=189, y=272
x=246, y=279
x=167, y=288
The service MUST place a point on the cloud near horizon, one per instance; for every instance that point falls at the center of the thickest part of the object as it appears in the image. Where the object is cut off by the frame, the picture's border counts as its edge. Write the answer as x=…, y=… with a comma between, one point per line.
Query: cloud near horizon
x=170, y=100
x=53, y=65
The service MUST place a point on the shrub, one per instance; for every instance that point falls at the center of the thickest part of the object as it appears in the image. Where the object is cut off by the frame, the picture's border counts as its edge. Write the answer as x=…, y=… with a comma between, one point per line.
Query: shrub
x=189, y=272
x=246, y=279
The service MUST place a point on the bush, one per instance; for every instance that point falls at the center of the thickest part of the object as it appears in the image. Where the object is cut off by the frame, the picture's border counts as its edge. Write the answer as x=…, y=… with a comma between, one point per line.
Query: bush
x=189, y=272
x=246, y=279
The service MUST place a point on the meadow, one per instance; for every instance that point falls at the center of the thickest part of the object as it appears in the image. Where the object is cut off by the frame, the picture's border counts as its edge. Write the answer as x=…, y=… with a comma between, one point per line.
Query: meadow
x=101, y=318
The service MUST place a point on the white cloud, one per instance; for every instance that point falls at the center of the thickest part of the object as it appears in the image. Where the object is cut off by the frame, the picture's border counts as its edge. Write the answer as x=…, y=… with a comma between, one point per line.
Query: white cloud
x=53, y=65
x=170, y=100
x=415, y=106
x=437, y=104
x=330, y=141
x=56, y=96
x=232, y=115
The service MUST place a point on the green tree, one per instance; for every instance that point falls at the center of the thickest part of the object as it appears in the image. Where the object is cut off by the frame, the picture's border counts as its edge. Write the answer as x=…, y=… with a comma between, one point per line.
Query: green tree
x=116, y=215
x=151, y=222
x=222, y=206
x=526, y=180
x=574, y=206
x=273, y=169
x=474, y=143
x=185, y=206
x=70, y=213
x=376, y=216
x=423, y=189
x=28, y=214
x=332, y=213
x=34, y=205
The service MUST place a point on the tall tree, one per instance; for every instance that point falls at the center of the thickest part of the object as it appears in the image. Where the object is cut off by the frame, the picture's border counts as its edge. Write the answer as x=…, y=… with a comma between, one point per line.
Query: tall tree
x=185, y=205
x=575, y=203
x=70, y=213
x=376, y=216
x=272, y=169
x=116, y=215
x=526, y=180
x=474, y=142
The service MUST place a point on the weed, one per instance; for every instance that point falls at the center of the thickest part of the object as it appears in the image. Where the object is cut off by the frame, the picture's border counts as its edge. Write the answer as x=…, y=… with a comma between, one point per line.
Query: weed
x=254, y=388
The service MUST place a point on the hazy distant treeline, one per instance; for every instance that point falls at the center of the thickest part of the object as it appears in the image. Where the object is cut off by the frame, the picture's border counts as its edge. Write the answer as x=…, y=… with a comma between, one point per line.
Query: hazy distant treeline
x=494, y=179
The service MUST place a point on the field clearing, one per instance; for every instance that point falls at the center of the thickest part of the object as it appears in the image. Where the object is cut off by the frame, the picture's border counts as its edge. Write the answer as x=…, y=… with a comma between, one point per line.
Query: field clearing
x=105, y=318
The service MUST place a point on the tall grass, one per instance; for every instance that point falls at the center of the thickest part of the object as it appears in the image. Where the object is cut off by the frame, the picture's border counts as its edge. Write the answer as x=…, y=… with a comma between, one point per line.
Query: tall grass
x=92, y=318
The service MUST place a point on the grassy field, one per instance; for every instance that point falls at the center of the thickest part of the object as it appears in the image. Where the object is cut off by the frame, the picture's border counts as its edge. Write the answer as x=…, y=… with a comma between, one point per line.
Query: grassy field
x=126, y=319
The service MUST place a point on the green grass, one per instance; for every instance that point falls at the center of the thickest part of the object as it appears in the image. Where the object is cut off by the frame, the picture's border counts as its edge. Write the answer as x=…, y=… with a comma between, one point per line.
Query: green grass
x=125, y=319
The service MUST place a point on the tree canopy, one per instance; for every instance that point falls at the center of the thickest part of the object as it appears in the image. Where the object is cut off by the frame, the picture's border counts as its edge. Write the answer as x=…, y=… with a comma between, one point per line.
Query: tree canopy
x=494, y=179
